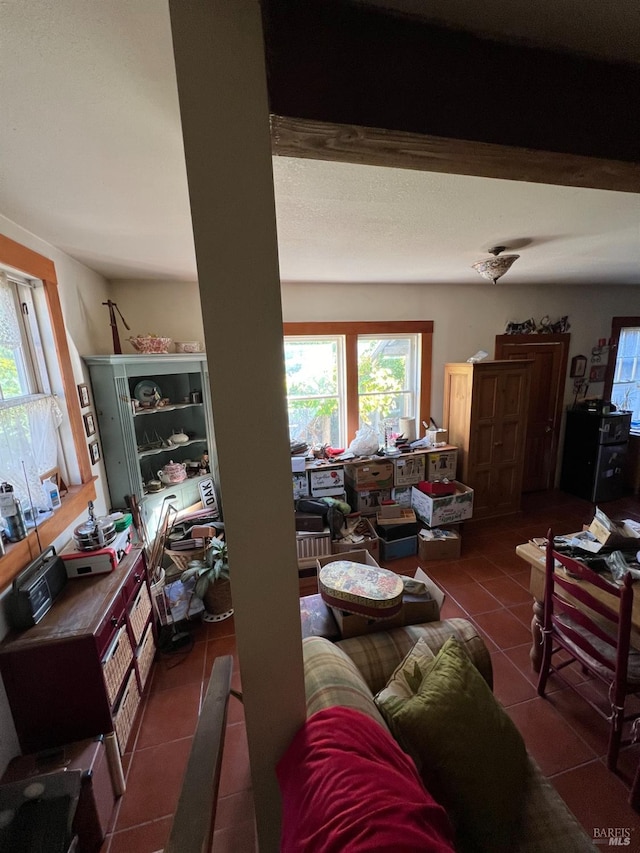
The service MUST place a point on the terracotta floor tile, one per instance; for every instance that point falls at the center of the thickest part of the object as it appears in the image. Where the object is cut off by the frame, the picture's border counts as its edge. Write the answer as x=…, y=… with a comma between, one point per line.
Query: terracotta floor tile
x=181, y=667
x=448, y=574
x=549, y=739
x=598, y=799
x=504, y=629
x=507, y=591
x=480, y=569
x=584, y=721
x=473, y=598
x=241, y=837
x=153, y=783
x=451, y=610
x=523, y=612
x=235, y=775
x=234, y=809
x=146, y=838
x=216, y=648
x=170, y=715
x=509, y=684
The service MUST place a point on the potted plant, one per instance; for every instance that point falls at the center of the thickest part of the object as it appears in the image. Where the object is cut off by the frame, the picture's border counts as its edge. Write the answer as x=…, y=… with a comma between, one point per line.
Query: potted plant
x=212, y=583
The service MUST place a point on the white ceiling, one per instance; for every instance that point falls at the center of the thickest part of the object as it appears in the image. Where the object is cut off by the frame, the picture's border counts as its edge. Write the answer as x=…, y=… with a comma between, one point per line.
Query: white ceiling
x=92, y=162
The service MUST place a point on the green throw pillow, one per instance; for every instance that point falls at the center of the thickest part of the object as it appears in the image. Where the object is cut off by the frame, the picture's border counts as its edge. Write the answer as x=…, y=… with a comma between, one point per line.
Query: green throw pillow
x=470, y=754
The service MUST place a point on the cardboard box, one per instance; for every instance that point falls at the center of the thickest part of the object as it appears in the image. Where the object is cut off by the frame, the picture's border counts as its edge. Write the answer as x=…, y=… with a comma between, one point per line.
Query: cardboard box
x=441, y=464
x=445, y=510
x=366, y=502
x=364, y=476
x=358, y=555
x=440, y=549
x=402, y=496
x=298, y=464
x=399, y=516
x=415, y=609
x=327, y=481
x=300, y=486
x=614, y=533
x=370, y=544
x=409, y=470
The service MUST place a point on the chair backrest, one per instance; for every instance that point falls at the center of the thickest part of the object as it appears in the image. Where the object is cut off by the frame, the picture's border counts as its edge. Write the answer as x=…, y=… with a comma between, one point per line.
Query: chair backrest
x=589, y=612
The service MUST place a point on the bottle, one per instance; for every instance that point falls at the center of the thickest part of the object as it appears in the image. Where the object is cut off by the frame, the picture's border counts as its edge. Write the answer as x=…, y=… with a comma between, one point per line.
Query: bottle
x=52, y=493
x=11, y=511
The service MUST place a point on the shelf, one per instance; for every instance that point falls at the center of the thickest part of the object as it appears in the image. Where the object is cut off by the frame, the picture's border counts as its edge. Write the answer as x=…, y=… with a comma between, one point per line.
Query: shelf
x=172, y=407
x=155, y=450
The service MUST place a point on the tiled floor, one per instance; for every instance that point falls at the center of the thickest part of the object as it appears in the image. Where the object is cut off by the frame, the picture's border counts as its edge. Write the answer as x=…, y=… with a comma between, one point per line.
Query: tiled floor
x=488, y=585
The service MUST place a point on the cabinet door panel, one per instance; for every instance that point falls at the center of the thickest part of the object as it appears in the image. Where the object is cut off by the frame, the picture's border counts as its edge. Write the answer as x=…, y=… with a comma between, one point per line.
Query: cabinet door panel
x=482, y=445
x=486, y=398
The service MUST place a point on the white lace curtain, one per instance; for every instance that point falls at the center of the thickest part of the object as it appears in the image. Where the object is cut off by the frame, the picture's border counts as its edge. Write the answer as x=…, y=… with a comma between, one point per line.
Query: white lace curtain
x=28, y=424
x=28, y=444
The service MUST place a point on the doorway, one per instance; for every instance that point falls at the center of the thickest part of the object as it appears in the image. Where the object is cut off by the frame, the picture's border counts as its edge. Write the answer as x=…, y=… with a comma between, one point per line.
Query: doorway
x=549, y=354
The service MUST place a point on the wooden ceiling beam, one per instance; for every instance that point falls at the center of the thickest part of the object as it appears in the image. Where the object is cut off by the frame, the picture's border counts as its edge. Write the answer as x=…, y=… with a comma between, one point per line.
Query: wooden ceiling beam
x=318, y=140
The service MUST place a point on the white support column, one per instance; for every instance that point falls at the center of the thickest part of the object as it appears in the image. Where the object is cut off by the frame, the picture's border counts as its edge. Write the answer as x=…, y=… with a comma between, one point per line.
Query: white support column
x=219, y=57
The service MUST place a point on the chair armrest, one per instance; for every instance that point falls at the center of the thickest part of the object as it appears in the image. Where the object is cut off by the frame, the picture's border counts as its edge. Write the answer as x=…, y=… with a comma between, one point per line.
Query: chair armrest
x=194, y=819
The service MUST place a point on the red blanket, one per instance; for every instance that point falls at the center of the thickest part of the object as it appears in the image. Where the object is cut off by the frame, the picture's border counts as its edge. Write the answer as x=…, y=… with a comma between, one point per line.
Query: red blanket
x=347, y=787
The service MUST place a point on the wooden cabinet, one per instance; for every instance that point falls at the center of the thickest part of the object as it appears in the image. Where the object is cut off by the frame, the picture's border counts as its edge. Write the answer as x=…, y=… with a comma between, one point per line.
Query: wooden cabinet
x=485, y=410
x=141, y=401
x=81, y=671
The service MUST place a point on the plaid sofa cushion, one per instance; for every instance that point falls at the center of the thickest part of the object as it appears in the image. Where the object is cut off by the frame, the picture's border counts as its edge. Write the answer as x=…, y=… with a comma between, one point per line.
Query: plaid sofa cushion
x=377, y=655
x=331, y=678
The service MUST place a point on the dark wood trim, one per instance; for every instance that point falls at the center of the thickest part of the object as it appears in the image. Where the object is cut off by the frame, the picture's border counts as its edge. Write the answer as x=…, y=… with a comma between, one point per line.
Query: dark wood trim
x=344, y=143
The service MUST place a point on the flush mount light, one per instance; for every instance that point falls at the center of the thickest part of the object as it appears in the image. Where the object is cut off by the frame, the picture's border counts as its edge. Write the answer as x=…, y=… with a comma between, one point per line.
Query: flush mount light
x=493, y=268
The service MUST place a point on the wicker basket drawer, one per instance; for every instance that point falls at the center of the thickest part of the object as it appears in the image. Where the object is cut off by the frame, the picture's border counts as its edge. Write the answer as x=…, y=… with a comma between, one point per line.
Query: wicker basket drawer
x=125, y=715
x=145, y=656
x=139, y=613
x=115, y=663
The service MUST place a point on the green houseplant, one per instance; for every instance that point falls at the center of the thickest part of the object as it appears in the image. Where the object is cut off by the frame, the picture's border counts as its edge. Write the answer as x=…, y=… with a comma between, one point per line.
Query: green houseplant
x=212, y=583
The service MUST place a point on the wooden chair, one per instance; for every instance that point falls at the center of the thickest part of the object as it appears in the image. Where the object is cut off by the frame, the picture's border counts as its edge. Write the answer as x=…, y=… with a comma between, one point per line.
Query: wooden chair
x=194, y=819
x=594, y=635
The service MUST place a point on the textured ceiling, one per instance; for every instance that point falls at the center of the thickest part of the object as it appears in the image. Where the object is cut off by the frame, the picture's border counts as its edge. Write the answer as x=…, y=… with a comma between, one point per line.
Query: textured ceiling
x=92, y=162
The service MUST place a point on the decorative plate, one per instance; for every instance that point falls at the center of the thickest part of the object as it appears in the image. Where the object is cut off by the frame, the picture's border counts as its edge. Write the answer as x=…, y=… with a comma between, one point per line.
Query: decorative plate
x=147, y=392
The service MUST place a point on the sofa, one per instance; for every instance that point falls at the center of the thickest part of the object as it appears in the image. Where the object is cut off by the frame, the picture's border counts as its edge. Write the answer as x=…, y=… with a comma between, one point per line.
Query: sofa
x=348, y=674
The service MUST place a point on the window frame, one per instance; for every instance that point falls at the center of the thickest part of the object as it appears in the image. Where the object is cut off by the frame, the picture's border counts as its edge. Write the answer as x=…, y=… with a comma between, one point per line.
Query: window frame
x=617, y=325
x=351, y=330
x=31, y=264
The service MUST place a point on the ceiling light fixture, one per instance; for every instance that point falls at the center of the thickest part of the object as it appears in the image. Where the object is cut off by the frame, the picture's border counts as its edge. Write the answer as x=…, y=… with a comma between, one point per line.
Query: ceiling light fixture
x=495, y=267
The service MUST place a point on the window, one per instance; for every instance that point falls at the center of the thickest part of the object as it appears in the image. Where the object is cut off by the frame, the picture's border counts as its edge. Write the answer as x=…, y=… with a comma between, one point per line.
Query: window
x=23, y=371
x=341, y=376
x=625, y=379
x=29, y=415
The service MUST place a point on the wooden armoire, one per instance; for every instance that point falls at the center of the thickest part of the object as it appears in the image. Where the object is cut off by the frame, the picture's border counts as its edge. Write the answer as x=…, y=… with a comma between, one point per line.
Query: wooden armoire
x=485, y=411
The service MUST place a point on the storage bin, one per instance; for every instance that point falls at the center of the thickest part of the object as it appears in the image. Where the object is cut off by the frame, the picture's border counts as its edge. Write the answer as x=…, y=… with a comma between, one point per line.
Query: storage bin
x=116, y=661
x=139, y=613
x=125, y=715
x=406, y=547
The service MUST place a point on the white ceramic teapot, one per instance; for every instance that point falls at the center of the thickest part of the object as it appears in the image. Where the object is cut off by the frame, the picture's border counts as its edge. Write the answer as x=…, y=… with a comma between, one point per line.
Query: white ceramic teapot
x=179, y=438
x=173, y=472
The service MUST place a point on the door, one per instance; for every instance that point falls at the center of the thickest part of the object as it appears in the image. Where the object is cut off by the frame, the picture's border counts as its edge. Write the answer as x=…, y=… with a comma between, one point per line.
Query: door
x=549, y=354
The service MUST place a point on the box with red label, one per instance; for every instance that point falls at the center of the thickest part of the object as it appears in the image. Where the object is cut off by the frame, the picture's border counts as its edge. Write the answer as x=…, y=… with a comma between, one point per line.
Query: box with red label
x=364, y=476
x=326, y=481
x=441, y=464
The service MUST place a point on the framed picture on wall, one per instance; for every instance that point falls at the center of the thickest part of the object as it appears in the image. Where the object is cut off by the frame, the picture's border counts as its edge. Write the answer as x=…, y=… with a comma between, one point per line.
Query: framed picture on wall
x=89, y=424
x=83, y=395
x=94, y=452
x=578, y=367
x=597, y=373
